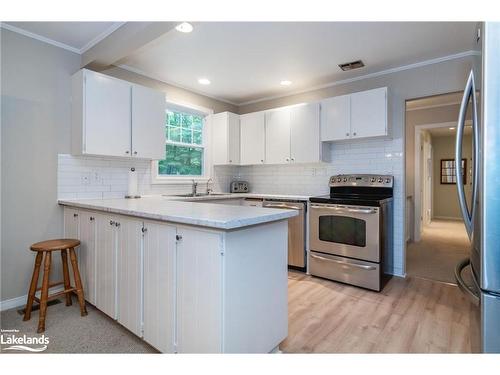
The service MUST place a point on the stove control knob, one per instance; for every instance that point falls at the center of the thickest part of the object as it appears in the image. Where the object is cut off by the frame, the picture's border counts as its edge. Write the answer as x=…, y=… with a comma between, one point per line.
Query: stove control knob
x=380, y=179
x=372, y=179
x=339, y=179
x=345, y=179
x=387, y=180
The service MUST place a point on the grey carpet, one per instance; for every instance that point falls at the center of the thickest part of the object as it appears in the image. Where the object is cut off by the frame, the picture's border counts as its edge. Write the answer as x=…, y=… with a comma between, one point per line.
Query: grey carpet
x=69, y=332
x=443, y=244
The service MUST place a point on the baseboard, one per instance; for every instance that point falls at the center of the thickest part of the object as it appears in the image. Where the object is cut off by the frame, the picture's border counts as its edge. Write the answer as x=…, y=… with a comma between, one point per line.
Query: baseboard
x=21, y=301
x=448, y=218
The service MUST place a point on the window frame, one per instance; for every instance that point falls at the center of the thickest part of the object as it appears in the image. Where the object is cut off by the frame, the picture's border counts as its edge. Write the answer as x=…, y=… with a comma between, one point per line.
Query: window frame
x=157, y=179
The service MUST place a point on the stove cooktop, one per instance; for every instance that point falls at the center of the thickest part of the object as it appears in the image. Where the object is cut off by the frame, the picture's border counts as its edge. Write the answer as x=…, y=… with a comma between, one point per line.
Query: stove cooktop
x=352, y=200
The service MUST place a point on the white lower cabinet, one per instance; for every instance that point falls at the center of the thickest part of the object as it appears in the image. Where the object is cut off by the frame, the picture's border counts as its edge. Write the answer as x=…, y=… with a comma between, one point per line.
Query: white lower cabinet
x=159, y=285
x=130, y=271
x=87, y=258
x=106, y=267
x=199, y=291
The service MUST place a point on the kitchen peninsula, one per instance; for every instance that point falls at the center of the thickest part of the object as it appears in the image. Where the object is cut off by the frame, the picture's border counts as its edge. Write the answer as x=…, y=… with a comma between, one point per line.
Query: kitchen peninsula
x=186, y=277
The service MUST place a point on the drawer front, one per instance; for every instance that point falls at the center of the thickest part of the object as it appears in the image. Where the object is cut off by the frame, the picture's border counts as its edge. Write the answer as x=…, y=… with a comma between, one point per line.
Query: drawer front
x=349, y=271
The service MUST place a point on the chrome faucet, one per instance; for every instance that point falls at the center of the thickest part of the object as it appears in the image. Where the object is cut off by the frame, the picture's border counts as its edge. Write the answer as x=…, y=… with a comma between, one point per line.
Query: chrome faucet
x=194, y=186
x=209, y=181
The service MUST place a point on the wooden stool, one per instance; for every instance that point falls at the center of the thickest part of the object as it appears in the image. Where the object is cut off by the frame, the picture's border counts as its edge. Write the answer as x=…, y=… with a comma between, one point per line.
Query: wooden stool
x=46, y=248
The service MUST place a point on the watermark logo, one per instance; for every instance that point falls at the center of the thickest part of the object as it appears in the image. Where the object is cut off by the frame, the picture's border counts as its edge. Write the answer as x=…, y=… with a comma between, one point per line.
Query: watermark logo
x=23, y=343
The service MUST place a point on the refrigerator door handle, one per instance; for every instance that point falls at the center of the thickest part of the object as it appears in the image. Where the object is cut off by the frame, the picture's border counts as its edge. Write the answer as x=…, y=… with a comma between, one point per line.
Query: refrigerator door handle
x=470, y=90
x=467, y=290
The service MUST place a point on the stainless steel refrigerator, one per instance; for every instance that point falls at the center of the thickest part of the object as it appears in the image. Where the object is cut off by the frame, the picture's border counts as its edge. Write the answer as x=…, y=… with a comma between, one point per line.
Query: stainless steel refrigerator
x=479, y=276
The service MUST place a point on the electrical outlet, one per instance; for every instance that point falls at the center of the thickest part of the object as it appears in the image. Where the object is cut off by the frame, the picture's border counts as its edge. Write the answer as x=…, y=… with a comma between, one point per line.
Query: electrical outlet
x=85, y=178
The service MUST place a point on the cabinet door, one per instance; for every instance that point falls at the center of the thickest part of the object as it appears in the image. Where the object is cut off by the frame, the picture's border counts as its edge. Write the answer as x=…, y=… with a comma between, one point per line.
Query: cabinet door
x=148, y=123
x=107, y=115
x=199, y=291
x=87, y=258
x=129, y=288
x=233, y=138
x=253, y=138
x=159, y=285
x=369, y=113
x=71, y=223
x=304, y=133
x=335, y=118
x=226, y=138
x=278, y=136
x=106, y=264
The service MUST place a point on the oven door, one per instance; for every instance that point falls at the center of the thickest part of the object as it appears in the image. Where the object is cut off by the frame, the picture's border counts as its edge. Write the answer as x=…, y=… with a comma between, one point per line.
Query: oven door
x=350, y=231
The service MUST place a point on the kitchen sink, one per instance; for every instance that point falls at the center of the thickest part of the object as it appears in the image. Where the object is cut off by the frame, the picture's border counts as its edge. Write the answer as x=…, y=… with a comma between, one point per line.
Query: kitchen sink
x=197, y=195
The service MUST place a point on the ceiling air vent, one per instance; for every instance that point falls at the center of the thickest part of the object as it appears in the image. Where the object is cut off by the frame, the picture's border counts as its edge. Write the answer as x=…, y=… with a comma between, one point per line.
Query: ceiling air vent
x=352, y=65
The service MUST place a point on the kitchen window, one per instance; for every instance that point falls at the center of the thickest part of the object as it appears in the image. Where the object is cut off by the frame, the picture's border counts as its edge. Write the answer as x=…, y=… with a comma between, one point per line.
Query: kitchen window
x=185, y=147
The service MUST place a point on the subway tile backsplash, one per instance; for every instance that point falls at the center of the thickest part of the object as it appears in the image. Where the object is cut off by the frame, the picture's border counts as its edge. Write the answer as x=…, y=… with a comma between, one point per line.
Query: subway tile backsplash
x=96, y=177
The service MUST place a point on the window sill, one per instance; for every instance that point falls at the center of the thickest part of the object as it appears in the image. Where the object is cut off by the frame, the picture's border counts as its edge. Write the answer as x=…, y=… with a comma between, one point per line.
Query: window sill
x=179, y=180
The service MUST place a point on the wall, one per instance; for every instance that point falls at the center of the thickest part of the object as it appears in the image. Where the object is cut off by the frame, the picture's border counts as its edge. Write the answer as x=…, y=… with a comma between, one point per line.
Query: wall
x=440, y=78
x=445, y=200
x=35, y=128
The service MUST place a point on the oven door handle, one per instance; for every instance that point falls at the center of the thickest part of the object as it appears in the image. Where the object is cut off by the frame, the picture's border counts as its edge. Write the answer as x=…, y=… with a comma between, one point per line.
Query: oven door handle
x=343, y=263
x=350, y=210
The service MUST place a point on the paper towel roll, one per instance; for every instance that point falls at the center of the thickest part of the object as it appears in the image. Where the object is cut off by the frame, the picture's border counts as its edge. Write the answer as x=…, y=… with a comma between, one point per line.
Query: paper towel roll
x=132, y=183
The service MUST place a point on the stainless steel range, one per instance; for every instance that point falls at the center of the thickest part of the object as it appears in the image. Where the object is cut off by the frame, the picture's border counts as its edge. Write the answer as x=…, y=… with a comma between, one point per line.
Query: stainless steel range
x=350, y=235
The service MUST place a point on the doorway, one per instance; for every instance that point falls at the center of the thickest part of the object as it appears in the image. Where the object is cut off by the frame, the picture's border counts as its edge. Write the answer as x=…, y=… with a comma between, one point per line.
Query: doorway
x=436, y=236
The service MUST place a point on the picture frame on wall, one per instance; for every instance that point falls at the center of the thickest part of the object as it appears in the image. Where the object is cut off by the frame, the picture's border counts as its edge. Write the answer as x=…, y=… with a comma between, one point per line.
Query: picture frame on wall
x=448, y=172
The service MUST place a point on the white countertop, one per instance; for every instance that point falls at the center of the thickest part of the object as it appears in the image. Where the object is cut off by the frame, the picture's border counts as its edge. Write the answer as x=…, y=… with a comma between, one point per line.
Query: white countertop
x=194, y=213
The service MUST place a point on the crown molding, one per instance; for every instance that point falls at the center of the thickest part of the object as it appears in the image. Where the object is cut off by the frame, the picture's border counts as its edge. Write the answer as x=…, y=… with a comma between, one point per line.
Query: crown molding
x=93, y=42
x=366, y=76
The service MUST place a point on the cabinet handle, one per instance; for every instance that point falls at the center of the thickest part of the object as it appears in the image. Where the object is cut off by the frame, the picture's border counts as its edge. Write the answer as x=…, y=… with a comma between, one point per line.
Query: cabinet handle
x=230, y=161
x=117, y=224
x=347, y=134
x=262, y=160
x=287, y=159
x=178, y=237
x=75, y=215
x=111, y=222
x=354, y=134
x=91, y=218
x=293, y=159
x=144, y=230
x=135, y=152
x=127, y=151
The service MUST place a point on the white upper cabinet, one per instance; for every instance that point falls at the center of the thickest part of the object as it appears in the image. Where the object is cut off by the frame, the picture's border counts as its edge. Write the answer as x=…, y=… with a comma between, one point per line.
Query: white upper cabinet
x=369, y=113
x=108, y=114
x=148, y=123
x=278, y=136
x=359, y=115
x=226, y=138
x=253, y=138
x=304, y=134
x=336, y=118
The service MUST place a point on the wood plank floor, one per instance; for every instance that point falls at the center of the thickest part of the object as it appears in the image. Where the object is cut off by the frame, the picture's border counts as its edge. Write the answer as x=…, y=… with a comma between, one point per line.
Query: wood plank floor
x=410, y=315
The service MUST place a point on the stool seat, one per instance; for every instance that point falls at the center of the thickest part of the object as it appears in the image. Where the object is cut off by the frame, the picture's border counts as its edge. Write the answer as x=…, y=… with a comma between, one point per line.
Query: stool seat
x=52, y=245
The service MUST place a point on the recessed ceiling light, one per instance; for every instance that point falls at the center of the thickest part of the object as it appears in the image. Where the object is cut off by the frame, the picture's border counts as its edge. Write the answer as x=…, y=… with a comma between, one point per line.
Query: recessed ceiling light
x=285, y=82
x=184, y=27
x=204, y=81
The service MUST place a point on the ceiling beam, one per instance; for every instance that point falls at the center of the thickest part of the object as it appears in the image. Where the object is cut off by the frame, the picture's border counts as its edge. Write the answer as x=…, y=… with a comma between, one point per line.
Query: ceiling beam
x=123, y=42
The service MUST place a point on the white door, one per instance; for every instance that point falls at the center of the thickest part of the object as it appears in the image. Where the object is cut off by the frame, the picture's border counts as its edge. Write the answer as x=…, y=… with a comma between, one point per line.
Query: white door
x=107, y=115
x=106, y=264
x=220, y=138
x=304, y=133
x=148, y=123
x=369, y=113
x=159, y=285
x=233, y=138
x=199, y=292
x=253, y=138
x=129, y=288
x=278, y=136
x=87, y=258
x=335, y=118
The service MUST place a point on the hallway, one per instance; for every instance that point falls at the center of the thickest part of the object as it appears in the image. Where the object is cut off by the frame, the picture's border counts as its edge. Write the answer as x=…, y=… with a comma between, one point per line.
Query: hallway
x=444, y=243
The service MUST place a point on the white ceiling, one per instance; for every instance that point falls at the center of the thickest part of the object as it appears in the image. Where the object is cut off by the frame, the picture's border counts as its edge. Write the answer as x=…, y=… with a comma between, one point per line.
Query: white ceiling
x=77, y=36
x=246, y=61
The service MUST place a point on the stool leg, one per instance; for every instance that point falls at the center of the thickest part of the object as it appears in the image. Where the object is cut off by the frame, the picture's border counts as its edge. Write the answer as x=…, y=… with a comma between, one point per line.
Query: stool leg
x=45, y=291
x=67, y=284
x=78, y=282
x=33, y=285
